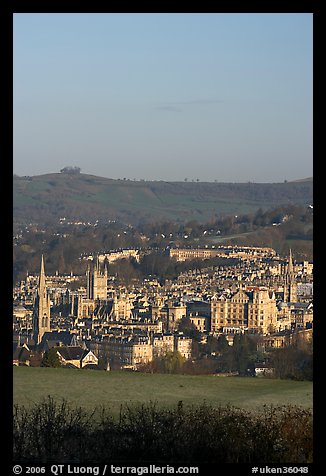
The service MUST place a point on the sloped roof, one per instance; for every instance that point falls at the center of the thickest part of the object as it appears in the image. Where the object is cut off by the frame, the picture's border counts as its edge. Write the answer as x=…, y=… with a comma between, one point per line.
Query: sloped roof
x=103, y=310
x=54, y=338
x=21, y=353
x=71, y=352
x=302, y=305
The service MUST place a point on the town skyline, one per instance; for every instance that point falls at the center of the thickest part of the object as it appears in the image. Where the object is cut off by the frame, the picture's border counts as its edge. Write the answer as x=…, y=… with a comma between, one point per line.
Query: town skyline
x=127, y=326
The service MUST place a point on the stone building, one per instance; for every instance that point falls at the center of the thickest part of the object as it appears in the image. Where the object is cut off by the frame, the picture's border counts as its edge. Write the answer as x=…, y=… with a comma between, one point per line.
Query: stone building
x=290, y=286
x=95, y=299
x=229, y=311
x=199, y=313
x=202, y=323
x=163, y=343
x=183, y=345
x=124, y=352
x=122, y=307
x=41, y=313
x=254, y=310
x=97, y=282
x=262, y=311
x=168, y=342
x=175, y=312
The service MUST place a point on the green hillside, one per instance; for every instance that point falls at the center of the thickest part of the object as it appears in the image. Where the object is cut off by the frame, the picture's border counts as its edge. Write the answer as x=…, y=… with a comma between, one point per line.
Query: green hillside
x=49, y=197
x=90, y=388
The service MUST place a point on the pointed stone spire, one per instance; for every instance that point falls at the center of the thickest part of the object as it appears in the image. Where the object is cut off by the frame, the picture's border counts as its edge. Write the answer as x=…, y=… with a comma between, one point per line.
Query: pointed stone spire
x=290, y=286
x=42, y=277
x=41, y=315
x=290, y=269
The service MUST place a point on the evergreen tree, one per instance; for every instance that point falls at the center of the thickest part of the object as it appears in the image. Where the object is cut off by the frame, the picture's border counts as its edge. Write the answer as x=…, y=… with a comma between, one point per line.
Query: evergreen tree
x=189, y=329
x=243, y=348
x=222, y=344
x=51, y=359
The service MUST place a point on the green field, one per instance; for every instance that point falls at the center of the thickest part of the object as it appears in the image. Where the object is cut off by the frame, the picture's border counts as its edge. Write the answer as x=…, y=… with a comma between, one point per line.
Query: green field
x=91, y=388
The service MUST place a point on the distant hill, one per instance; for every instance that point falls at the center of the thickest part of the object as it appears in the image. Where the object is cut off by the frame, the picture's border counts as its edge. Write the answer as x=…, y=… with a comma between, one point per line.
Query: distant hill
x=309, y=179
x=46, y=198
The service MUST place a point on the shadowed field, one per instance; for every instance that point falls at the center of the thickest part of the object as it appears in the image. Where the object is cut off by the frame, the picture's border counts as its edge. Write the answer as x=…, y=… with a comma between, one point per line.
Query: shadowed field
x=90, y=388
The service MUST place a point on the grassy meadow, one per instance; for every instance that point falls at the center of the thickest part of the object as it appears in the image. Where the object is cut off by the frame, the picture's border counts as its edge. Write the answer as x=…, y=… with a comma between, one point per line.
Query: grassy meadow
x=92, y=388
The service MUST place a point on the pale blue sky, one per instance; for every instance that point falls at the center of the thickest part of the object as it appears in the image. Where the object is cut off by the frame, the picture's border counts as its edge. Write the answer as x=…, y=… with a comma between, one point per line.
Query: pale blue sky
x=164, y=96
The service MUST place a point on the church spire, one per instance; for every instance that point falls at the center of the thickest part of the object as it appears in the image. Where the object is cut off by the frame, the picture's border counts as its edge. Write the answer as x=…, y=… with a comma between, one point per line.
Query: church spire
x=290, y=286
x=290, y=268
x=42, y=277
x=41, y=315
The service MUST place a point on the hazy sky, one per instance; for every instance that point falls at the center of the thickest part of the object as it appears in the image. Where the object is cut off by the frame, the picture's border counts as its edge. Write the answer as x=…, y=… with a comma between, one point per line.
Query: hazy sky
x=164, y=96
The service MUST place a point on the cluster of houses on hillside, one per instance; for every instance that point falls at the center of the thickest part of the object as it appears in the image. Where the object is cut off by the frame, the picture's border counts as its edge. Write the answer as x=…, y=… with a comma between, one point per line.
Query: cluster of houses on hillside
x=127, y=327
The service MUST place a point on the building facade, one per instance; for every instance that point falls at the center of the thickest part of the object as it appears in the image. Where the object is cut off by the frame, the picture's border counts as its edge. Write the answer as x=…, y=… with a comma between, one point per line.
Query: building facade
x=254, y=310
